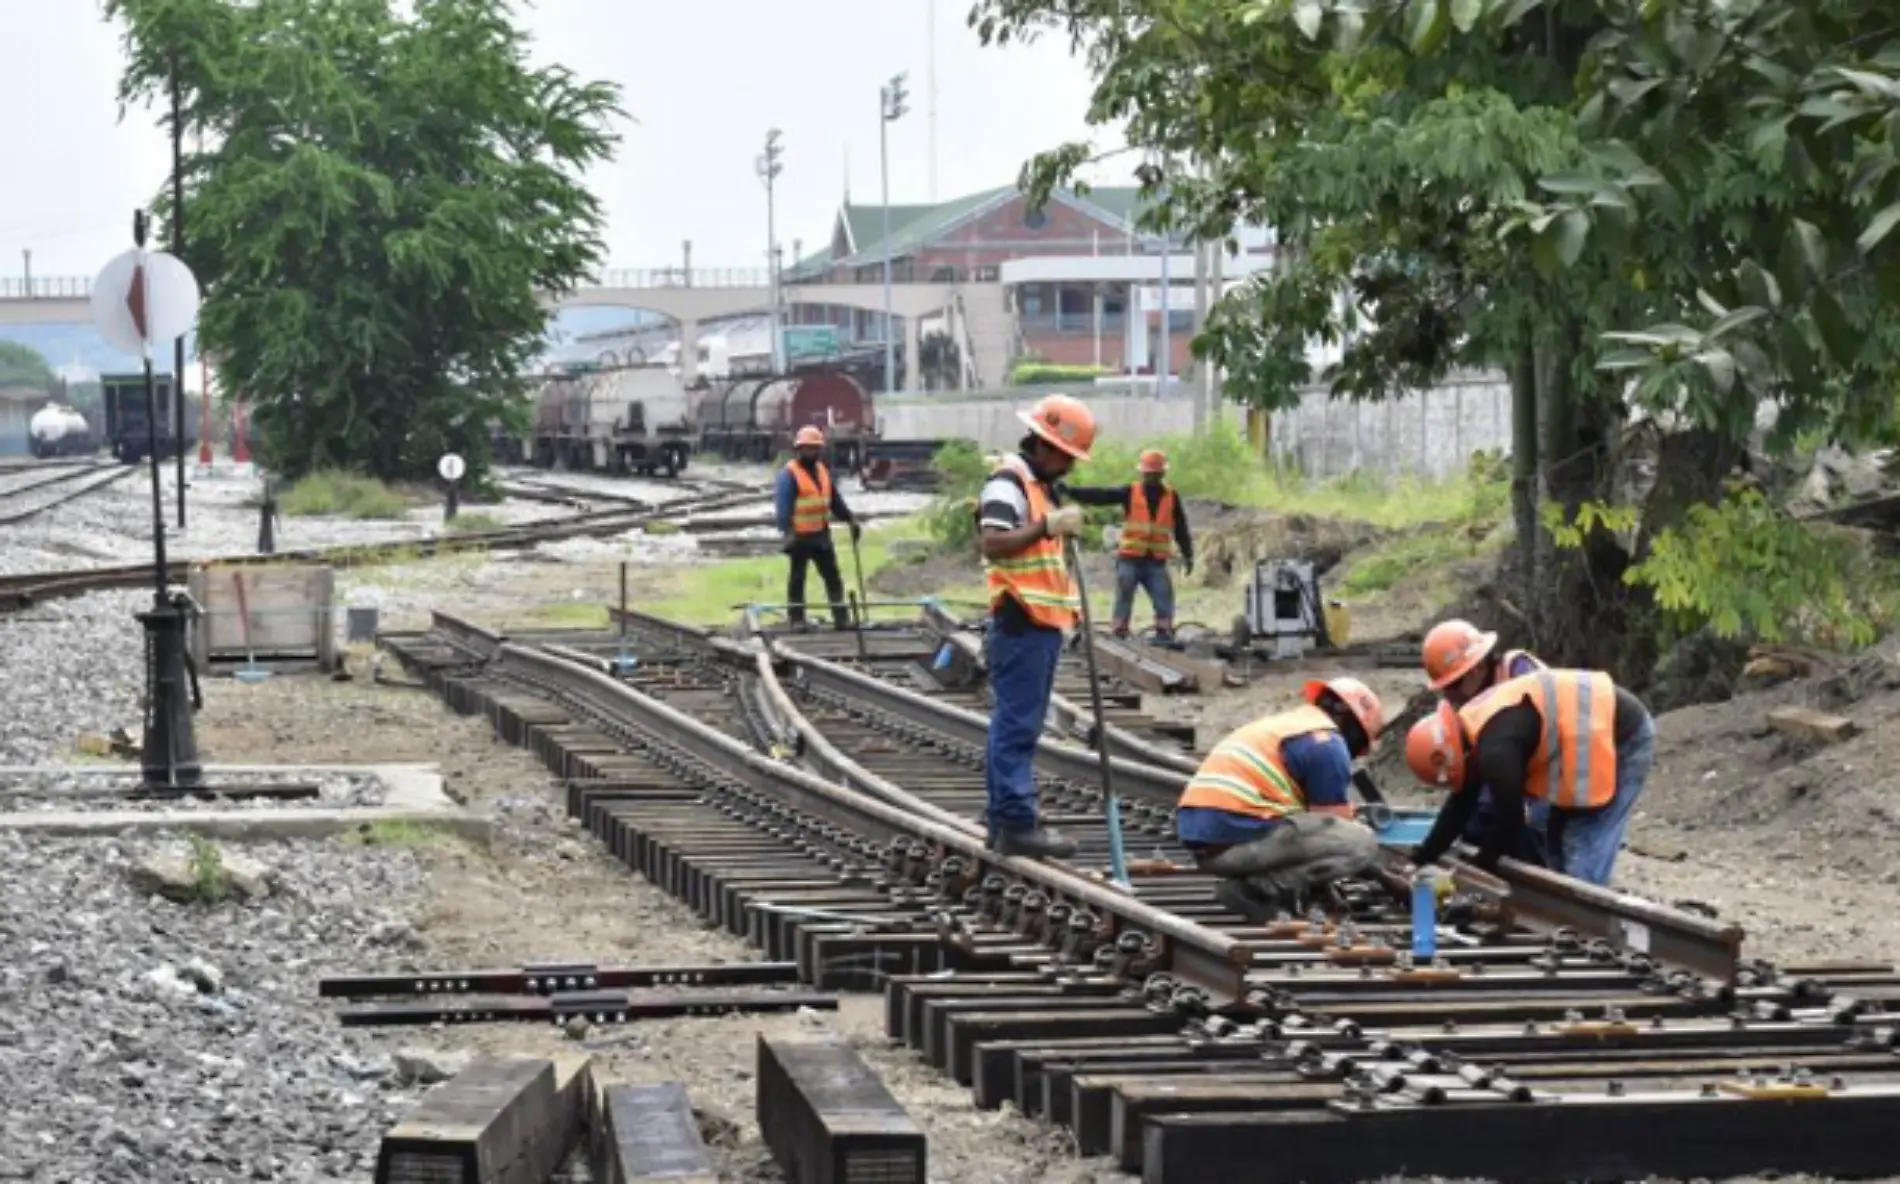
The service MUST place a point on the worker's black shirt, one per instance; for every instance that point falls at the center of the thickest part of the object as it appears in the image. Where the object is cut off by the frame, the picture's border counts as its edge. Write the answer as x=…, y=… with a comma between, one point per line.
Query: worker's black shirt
x=1117, y=495
x=1500, y=759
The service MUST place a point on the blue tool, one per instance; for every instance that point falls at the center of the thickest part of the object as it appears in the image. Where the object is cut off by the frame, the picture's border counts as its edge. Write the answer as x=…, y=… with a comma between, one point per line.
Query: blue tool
x=1424, y=914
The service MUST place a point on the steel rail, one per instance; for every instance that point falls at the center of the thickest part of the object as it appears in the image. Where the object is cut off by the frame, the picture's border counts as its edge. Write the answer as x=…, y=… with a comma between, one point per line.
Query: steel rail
x=1154, y=939
x=29, y=588
x=78, y=483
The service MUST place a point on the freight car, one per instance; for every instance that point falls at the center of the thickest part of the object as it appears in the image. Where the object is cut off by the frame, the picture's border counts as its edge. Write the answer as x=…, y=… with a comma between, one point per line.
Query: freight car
x=126, y=433
x=616, y=419
x=755, y=418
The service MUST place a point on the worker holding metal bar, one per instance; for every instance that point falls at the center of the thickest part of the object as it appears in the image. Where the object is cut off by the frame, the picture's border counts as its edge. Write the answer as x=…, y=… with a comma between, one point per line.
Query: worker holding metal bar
x=807, y=500
x=1570, y=738
x=1268, y=810
x=1154, y=524
x=1461, y=661
x=1033, y=604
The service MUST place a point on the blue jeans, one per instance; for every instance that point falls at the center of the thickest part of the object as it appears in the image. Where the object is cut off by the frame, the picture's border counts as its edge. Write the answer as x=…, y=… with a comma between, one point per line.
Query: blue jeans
x=1151, y=574
x=1585, y=842
x=1022, y=675
x=1529, y=847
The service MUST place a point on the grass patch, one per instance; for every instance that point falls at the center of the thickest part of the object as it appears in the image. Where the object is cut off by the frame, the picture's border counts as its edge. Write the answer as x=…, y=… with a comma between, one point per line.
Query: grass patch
x=566, y=614
x=333, y=492
x=1423, y=554
x=213, y=883
x=397, y=834
x=1223, y=466
x=705, y=594
x=475, y=524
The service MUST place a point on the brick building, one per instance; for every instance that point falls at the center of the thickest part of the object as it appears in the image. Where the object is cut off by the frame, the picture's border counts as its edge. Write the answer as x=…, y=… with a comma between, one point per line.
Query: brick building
x=1071, y=271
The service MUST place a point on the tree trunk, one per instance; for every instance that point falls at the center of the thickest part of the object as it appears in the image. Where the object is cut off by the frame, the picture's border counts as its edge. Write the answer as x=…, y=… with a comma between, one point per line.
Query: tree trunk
x=1523, y=374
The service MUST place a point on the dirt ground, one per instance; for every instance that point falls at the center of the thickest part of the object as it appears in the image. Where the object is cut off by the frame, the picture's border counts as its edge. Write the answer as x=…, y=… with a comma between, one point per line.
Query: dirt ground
x=1789, y=842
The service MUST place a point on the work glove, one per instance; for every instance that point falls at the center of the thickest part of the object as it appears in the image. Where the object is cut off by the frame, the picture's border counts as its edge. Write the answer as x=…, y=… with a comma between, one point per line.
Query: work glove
x=1187, y=566
x=857, y=530
x=1063, y=521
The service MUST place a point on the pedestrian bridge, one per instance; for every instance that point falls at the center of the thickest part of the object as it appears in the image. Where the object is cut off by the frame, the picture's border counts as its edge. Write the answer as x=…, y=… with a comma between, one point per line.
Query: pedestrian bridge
x=684, y=297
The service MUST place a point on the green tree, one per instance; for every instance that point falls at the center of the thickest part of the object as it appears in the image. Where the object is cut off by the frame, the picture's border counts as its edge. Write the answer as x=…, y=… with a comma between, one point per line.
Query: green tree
x=24, y=366
x=1444, y=195
x=382, y=202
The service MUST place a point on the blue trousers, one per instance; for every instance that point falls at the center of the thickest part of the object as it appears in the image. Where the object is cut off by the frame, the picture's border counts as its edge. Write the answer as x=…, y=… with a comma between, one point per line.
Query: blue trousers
x=1022, y=676
x=1148, y=574
x=1584, y=843
x=1529, y=847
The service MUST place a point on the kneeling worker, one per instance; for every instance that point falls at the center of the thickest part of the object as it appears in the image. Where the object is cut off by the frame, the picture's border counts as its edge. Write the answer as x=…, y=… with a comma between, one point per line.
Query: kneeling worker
x=1570, y=738
x=807, y=500
x=1461, y=663
x=1268, y=810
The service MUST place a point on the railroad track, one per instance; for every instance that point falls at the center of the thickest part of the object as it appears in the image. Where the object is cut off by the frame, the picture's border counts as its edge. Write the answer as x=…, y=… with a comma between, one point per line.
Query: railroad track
x=35, y=490
x=1561, y=1032
x=26, y=589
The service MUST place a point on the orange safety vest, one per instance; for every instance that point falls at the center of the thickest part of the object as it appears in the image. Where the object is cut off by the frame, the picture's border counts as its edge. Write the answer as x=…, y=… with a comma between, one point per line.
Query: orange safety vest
x=1245, y=773
x=811, y=512
x=1146, y=536
x=1574, y=766
x=1037, y=576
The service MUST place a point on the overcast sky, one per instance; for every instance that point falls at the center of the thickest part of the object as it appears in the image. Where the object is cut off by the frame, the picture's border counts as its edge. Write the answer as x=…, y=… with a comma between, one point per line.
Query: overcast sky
x=705, y=79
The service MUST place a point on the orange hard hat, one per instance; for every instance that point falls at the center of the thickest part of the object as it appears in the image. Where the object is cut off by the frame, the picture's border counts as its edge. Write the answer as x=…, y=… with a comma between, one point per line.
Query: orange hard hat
x=1452, y=649
x=1062, y=421
x=1154, y=461
x=1357, y=697
x=808, y=437
x=1435, y=748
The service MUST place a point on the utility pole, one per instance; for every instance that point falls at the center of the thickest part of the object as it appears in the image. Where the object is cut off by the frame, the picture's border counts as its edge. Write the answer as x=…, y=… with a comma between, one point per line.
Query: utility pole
x=769, y=167
x=26, y=257
x=890, y=109
x=686, y=263
x=178, y=249
x=930, y=88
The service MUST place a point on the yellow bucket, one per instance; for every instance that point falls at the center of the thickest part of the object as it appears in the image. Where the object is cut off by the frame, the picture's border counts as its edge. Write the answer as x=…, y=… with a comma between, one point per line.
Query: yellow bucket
x=1338, y=622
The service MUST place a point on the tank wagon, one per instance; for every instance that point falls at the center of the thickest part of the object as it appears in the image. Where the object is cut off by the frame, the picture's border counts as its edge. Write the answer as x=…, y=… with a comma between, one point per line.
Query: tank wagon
x=613, y=419
x=58, y=430
x=755, y=418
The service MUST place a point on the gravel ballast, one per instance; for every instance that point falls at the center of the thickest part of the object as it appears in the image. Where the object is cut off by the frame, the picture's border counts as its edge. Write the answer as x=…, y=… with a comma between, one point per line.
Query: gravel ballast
x=147, y=1040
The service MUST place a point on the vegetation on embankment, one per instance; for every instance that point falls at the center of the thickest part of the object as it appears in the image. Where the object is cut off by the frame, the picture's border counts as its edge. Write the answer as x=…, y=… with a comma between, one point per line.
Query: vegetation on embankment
x=332, y=492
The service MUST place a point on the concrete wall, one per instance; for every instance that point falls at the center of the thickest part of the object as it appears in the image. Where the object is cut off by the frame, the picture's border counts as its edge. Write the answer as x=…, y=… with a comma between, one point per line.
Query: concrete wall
x=1430, y=433
x=991, y=420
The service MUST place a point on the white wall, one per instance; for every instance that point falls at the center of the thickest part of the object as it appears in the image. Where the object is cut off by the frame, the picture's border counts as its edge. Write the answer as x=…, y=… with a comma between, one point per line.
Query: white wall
x=1430, y=433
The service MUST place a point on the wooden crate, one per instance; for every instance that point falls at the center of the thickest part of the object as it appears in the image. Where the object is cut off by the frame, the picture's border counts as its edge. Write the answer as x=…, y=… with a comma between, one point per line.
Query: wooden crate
x=291, y=616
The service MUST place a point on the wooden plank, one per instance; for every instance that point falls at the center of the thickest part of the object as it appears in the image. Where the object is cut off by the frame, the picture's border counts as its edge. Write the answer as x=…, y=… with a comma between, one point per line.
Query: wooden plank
x=1813, y=727
x=497, y=1122
x=829, y=1120
x=645, y=1133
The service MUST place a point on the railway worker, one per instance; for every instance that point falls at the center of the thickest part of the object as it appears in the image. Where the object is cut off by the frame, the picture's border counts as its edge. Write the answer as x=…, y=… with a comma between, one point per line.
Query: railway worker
x=807, y=500
x=1033, y=603
x=1461, y=662
x=1154, y=523
x=1268, y=810
x=1570, y=738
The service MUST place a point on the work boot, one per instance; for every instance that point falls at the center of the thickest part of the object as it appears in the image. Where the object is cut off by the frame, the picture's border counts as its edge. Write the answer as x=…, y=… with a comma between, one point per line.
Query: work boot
x=1036, y=843
x=1251, y=901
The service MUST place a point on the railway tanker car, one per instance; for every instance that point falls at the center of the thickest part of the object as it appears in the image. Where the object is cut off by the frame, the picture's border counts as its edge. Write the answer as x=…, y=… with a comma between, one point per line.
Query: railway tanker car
x=58, y=430
x=630, y=418
x=754, y=419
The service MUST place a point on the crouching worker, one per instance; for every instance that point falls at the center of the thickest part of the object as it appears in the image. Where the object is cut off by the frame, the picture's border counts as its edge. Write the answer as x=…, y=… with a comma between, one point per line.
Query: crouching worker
x=1268, y=810
x=1462, y=662
x=1570, y=738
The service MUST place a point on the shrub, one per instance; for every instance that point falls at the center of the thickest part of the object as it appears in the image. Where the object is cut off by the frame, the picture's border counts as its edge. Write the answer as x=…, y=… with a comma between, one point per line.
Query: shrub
x=344, y=494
